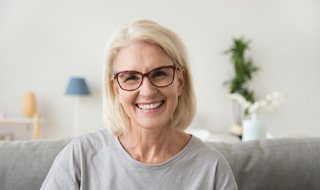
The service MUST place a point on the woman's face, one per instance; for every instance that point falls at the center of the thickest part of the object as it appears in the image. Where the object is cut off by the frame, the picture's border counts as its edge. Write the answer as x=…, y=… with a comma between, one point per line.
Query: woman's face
x=148, y=107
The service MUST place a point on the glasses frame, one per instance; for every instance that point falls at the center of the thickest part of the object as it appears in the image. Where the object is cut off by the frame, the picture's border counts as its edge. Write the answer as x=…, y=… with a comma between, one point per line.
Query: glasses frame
x=173, y=67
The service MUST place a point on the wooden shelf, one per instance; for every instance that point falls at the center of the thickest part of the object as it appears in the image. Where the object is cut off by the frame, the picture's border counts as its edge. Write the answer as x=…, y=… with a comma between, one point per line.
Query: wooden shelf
x=16, y=120
x=35, y=122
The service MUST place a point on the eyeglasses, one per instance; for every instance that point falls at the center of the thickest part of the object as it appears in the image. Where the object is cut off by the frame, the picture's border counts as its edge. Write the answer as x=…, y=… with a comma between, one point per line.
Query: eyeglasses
x=159, y=77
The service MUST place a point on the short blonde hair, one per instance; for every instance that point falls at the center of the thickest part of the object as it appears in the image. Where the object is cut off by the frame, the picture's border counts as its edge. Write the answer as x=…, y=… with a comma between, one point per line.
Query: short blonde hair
x=169, y=42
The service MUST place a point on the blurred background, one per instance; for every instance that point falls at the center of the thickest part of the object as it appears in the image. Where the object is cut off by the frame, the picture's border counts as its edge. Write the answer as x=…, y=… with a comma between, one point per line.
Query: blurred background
x=44, y=43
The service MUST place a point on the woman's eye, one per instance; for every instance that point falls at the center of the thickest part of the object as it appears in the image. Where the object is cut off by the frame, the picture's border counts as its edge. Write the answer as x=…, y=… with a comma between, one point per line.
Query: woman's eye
x=159, y=74
x=128, y=77
x=132, y=78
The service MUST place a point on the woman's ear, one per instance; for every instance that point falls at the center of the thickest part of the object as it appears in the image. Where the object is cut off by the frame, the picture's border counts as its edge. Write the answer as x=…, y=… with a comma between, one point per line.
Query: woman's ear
x=180, y=82
x=115, y=88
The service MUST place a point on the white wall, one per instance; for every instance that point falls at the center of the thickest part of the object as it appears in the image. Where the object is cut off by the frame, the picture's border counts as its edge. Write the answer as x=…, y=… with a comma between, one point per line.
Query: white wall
x=43, y=43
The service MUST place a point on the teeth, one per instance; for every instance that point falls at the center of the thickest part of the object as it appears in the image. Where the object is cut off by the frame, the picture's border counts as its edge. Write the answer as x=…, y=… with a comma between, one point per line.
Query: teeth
x=149, y=106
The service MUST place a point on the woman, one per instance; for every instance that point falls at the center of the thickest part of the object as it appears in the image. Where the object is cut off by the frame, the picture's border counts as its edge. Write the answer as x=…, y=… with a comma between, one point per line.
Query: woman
x=148, y=101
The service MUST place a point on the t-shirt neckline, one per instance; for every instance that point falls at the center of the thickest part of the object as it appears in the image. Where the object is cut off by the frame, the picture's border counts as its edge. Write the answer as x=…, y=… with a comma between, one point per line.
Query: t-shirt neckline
x=125, y=156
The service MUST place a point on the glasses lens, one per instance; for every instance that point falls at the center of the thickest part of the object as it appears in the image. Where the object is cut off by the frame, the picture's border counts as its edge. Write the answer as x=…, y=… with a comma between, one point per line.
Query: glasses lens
x=162, y=77
x=129, y=80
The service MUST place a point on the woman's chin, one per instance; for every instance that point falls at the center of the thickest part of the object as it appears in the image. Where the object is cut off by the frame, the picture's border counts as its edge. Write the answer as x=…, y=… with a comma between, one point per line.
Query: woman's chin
x=151, y=125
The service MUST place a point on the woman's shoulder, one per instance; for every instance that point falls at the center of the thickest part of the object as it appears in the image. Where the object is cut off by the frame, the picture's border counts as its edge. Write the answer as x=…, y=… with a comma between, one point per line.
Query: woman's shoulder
x=201, y=148
x=95, y=140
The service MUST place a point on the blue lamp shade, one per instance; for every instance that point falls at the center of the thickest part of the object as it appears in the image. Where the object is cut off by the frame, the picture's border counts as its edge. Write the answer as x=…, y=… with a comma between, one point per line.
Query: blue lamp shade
x=77, y=86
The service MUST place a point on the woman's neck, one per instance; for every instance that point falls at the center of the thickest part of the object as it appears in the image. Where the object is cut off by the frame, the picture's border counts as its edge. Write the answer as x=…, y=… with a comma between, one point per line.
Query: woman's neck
x=154, y=147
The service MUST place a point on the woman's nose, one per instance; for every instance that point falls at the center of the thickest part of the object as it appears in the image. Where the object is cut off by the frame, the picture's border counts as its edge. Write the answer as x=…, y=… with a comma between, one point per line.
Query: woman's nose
x=147, y=88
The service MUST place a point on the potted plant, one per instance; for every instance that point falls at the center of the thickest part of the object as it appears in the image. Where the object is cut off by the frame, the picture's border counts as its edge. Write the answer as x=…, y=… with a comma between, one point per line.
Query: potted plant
x=238, y=84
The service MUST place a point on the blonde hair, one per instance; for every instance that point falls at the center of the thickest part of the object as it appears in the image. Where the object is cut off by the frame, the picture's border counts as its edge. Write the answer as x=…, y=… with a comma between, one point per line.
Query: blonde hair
x=169, y=42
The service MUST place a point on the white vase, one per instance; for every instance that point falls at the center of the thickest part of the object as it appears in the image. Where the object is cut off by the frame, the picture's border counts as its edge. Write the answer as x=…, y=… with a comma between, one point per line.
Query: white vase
x=253, y=128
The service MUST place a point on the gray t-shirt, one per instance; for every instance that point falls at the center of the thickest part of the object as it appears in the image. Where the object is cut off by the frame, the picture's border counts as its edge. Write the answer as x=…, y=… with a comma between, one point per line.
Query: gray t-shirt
x=98, y=161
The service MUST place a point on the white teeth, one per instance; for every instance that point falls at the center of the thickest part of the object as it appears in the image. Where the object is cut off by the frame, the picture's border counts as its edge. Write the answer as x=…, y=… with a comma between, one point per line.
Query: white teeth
x=149, y=106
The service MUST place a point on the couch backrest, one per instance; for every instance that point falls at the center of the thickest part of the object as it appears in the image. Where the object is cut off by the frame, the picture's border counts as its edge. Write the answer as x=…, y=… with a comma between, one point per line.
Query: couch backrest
x=274, y=164
x=278, y=164
x=25, y=164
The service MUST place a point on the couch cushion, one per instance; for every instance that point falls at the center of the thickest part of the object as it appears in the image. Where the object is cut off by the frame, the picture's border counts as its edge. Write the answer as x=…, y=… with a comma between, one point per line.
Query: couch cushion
x=25, y=164
x=275, y=164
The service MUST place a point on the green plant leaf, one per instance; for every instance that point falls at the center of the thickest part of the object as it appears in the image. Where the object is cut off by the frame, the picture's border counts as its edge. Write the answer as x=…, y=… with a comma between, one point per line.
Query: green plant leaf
x=243, y=69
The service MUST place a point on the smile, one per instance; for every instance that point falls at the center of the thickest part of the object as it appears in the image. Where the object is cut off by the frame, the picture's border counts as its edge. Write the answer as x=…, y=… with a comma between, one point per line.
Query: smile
x=151, y=106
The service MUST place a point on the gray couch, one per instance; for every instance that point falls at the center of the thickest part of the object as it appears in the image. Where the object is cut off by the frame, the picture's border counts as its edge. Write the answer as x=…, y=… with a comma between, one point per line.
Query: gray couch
x=281, y=164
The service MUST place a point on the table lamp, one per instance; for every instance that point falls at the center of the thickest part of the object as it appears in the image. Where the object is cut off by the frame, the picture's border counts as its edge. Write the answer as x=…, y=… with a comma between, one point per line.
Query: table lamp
x=77, y=87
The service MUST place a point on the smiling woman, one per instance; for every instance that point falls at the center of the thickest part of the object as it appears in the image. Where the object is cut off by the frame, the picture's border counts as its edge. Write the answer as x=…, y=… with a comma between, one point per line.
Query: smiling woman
x=148, y=58
x=168, y=47
x=149, y=101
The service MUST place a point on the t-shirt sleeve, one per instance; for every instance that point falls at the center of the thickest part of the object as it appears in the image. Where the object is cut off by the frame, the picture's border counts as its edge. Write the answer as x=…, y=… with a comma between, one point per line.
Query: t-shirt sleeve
x=224, y=179
x=64, y=174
